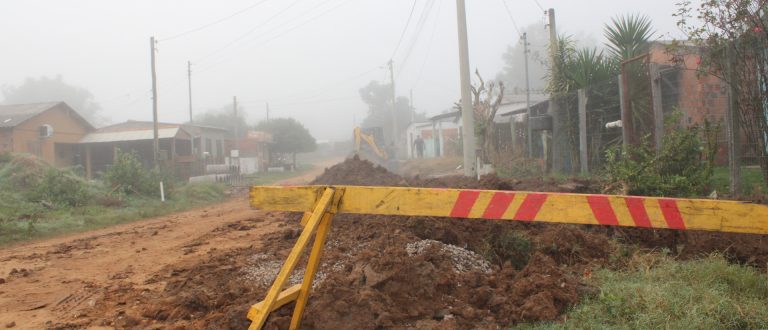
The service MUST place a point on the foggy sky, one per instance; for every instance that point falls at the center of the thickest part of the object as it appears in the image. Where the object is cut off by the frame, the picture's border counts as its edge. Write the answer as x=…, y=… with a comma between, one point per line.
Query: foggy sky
x=307, y=58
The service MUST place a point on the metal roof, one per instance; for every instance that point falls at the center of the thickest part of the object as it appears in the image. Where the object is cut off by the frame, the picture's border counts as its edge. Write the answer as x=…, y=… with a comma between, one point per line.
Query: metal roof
x=14, y=114
x=133, y=135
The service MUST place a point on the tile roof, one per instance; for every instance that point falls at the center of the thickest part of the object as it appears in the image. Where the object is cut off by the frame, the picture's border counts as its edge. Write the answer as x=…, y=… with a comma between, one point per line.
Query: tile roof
x=14, y=114
x=130, y=135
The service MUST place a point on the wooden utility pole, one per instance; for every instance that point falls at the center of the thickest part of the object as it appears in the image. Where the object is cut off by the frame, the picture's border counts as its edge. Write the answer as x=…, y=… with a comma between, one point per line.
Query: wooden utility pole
x=410, y=106
x=156, y=140
x=658, y=114
x=583, y=155
x=235, y=122
x=395, y=132
x=732, y=127
x=557, y=149
x=189, y=79
x=529, y=136
x=467, y=113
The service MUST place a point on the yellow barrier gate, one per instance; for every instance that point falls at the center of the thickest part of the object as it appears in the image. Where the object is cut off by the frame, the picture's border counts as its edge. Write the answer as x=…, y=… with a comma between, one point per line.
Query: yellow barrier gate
x=320, y=203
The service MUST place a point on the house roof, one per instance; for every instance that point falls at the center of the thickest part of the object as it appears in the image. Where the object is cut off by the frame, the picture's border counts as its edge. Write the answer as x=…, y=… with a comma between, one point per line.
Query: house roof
x=517, y=108
x=12, y=115
x=131, y=135
x=142, y=125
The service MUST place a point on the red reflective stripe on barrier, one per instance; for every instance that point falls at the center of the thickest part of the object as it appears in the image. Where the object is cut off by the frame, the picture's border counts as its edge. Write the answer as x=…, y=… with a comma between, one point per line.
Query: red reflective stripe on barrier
x=671, y=214
x=498, y=205
x=464, y=203
x=637, y=209
x=603, y=211
x=530, y=207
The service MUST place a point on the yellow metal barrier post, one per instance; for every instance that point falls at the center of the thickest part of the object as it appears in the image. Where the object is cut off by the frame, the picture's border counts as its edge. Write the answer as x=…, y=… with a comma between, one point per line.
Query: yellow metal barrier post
x=276, y=297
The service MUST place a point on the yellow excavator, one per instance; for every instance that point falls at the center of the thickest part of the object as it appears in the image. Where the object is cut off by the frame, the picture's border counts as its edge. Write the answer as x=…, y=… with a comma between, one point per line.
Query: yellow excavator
x=370, y=150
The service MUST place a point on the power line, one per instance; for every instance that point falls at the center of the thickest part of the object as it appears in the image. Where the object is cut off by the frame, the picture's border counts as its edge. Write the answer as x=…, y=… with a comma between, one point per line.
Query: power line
x=213, y=23
x=538, y=4
x=509, y=12
x=419, y=26
x=313, y=93
x=284, y=32
x=408, y=22
x=429, y=45
x=244, y=35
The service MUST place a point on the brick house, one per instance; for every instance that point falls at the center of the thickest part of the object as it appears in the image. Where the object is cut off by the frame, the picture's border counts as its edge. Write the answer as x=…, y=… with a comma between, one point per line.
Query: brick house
x=51, y=131
x=699, y=97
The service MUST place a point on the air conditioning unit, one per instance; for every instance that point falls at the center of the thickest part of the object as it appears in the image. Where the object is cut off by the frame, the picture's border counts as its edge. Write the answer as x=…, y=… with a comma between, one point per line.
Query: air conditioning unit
x=46, y=131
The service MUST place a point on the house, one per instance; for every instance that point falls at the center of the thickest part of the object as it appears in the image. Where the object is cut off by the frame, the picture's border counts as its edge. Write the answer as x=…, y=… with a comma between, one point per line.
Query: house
x=253, y=152
x=515, y=111
x=175, y=147
x=51, y=131
x=697, y=96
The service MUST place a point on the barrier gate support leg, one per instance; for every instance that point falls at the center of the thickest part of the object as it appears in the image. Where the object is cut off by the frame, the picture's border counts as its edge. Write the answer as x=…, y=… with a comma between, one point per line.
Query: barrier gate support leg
x=276, y=296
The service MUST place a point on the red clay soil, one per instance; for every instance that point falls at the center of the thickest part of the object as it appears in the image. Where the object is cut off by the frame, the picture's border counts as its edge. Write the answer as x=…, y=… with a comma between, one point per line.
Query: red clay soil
x=408, y=272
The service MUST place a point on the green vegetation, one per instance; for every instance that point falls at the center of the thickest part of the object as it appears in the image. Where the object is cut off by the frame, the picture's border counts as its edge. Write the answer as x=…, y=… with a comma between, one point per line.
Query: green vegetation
x=37, y=200
x=682, y=168
x=661, y=293
x=128, y=177
x=105, y=212
x=751, y=180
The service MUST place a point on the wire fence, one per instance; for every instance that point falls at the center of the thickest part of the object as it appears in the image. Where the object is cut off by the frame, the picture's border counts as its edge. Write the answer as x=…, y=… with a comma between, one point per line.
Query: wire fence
x=656, y=99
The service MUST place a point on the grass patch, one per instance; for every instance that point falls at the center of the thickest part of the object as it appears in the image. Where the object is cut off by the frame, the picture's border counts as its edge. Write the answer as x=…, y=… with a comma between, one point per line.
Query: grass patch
x=262, y=179
x=65, y=220
x=751, y=180
x=660, y=293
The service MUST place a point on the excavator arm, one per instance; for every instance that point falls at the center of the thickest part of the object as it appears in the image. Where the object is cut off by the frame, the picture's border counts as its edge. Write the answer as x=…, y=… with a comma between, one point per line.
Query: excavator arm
x=369, y=139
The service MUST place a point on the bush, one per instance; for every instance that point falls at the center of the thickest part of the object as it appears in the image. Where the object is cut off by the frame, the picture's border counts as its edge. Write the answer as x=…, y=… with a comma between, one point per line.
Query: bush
x=5, y=157
x=127, y=176
x=683, y=167
x=61, y=188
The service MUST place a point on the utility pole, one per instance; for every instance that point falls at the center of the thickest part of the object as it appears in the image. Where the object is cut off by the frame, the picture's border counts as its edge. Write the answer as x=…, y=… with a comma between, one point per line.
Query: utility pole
x=410, y=105
x=467, y=113
x=556, y=145
x=156, y=140
x=191, y=121
x=189, y=79
x=395, y=132
x=237, y=135
x=732, y=124
x=527, y=97
x=267, y=111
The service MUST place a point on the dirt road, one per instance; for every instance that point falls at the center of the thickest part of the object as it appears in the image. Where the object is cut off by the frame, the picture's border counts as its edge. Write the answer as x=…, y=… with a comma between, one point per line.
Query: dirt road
x=47, y=282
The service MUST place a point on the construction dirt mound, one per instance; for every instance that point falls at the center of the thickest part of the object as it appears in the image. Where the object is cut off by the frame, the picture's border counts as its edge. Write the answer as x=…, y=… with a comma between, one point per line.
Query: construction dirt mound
x=414, y=272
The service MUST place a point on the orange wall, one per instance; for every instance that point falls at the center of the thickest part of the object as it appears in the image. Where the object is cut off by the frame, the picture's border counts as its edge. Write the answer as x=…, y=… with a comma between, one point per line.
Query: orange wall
x=6, y=136
x=67, y=128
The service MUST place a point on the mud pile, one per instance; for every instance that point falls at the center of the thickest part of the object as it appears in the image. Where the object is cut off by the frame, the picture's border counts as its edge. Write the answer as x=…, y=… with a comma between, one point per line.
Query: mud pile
x=413, y=272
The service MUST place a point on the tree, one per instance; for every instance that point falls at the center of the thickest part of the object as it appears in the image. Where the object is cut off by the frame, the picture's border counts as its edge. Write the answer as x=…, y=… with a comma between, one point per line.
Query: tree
x=580, y=68
x=46, y=89
x=224, y=117
x=513, y=73
x=628, y=36
x=288, y=137
x=379, y=99
x=485, y=103
x=731, y=37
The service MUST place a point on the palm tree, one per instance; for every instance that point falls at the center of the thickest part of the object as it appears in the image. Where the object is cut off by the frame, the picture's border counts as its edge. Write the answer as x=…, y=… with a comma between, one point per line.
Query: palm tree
x=628, y=36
